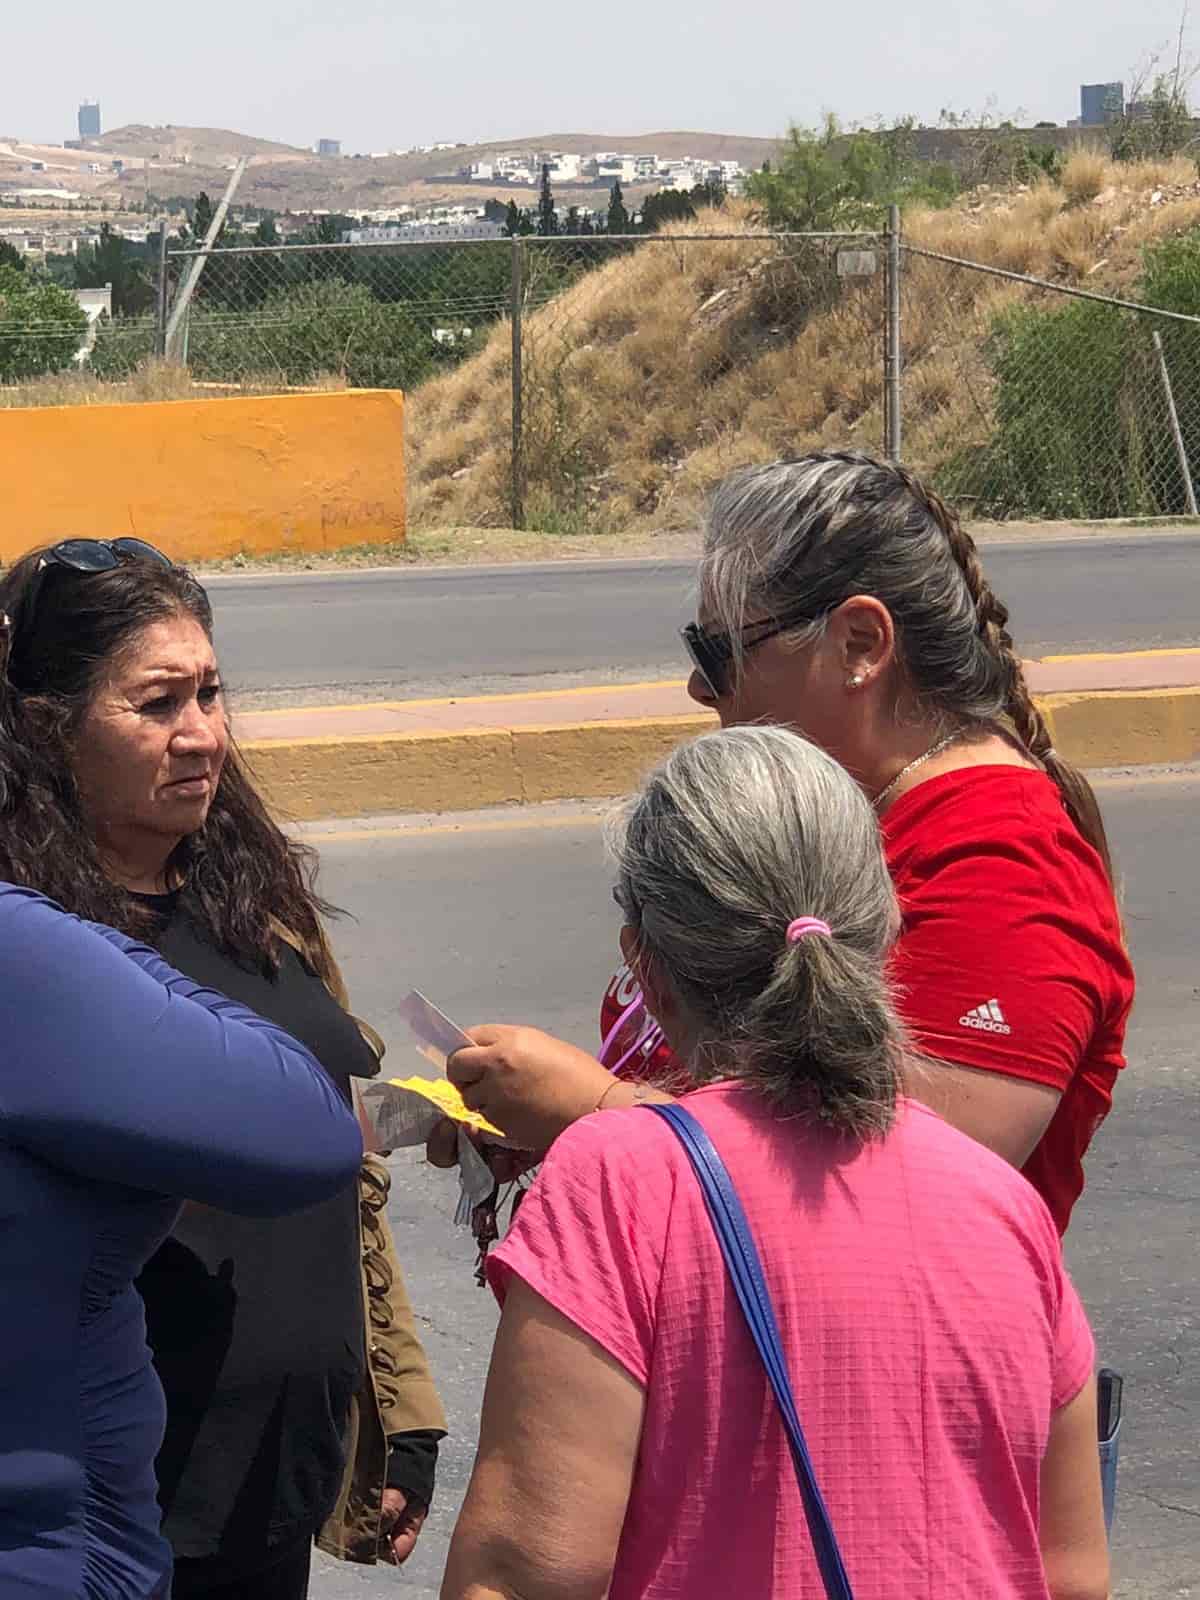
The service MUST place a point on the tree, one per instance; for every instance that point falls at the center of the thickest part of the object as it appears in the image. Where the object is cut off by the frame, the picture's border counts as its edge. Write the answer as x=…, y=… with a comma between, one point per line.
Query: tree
x=42, y=327
x=266, y=233
x=311, y=331
x=547, y=223
x=1155, y=123
x=618, y=217
x=203, y=213
x=328, y=231
x=571, y=225
x=833, y=177
x=10, y=256
x=668, y=205
x=113, y=260
x=512, y=219
x=1156, y=120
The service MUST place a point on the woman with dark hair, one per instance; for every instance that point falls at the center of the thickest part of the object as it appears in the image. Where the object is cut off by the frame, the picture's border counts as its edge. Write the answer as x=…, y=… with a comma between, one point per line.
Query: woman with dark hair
x=840, y=596
x=299, y=1400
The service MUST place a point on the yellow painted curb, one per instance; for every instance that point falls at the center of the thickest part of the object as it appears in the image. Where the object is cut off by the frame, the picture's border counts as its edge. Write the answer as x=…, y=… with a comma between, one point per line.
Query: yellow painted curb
x=1125, y=727
x=365, y=774
x=597, y=759
x=304, y=779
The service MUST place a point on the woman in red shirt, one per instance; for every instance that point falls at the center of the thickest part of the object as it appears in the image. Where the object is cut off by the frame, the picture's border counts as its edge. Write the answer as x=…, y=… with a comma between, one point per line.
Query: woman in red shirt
x=839, y=596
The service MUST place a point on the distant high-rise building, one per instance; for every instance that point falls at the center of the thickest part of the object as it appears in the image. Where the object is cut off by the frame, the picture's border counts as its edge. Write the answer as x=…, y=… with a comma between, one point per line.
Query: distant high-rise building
x=1100, y=103
x=329, y=147
x=89, y=119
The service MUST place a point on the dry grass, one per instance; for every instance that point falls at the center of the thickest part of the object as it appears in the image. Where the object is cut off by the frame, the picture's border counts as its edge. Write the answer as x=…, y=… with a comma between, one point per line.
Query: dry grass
x=153, y=380
x=1044, y=201
x=1084, y=175
x=1159, y=172
x=1076, y=241
x=652, y=377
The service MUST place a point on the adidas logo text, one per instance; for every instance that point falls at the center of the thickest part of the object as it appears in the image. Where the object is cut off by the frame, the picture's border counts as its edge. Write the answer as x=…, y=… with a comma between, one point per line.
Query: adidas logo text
x=987, y=1018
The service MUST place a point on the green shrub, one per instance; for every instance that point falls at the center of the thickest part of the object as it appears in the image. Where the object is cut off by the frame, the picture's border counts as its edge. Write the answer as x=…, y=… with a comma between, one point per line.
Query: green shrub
x=1072, y=424
x=42, y=326
x=1081, y=422
x=833, y=178
x=122, y=344
x=310, y=332
x=1171, y=279
x=296, y=336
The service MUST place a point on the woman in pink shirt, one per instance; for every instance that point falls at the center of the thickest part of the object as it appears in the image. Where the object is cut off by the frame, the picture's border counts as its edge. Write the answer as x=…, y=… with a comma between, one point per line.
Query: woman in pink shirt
x=942, y=1363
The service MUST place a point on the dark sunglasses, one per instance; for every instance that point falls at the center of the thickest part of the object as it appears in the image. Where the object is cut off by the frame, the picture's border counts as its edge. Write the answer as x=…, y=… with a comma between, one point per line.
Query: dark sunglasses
x=85, y=555
x=712, y=653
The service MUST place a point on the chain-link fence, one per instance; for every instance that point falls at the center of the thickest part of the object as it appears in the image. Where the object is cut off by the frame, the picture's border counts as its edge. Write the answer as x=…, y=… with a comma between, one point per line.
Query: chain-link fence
x=561, y=383
x=649, y=367
x=369, y=316
x=1024, y=399
x=573, y=383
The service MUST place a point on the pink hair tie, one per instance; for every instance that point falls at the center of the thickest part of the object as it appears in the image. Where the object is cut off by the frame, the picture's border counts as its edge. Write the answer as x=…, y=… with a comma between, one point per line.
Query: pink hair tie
x=803, y=926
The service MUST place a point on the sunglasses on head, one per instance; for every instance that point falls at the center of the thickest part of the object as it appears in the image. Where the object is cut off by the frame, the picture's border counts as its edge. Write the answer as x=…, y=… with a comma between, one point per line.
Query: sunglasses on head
x=86, y=556
x=712, y=652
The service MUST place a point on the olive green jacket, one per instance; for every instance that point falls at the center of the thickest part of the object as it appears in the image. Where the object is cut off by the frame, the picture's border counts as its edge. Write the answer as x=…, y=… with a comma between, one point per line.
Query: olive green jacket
x=397, y=1394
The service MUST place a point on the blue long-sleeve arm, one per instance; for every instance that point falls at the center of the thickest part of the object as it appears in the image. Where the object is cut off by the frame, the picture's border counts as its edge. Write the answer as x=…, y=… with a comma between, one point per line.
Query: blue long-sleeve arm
x=115, y=1067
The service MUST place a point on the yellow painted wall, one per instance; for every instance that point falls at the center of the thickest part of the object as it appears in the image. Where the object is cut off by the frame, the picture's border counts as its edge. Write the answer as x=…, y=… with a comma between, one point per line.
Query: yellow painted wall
x=207, y=478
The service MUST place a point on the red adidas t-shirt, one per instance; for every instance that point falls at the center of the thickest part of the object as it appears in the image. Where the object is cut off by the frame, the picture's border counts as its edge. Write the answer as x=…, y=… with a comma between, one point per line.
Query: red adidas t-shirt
x=1010, y=957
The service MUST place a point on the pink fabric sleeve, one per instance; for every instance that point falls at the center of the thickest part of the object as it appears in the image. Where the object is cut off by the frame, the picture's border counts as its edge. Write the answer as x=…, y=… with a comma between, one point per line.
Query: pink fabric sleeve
x=1074, y=1347
x=589, y=1234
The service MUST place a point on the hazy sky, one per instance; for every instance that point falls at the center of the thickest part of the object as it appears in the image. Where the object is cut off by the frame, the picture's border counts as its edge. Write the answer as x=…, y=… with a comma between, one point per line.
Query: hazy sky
x=378, y=74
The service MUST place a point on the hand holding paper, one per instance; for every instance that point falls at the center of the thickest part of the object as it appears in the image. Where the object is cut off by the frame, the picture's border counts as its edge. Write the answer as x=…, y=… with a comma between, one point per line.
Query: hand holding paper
x=527, y=1083
x=405, y=1110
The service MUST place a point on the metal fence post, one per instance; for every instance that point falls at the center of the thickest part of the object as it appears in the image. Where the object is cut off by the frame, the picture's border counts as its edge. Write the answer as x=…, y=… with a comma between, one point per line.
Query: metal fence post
x=160, y=323
x=518, y=459
x=1176, y=430
x=892, y=353
x=198, y=261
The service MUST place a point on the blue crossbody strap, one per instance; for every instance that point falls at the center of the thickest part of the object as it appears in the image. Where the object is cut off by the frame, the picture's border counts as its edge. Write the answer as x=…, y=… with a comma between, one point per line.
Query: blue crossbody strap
x=745, y=1271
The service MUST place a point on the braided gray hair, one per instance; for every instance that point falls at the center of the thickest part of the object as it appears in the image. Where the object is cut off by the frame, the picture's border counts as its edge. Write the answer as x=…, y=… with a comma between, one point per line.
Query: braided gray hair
x=797, y=537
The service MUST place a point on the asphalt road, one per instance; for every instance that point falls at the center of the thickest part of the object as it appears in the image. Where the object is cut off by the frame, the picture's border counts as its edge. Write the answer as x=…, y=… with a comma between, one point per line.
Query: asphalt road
x=509, y=918
x=400, y=634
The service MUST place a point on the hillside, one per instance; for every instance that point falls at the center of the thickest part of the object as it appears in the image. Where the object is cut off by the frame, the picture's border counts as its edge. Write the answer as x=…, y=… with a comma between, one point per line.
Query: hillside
x=284, y=178
x=207, y=146
x=652, y=376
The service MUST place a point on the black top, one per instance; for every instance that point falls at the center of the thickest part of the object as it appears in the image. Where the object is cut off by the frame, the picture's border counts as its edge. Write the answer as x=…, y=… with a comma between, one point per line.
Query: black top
x=256, y=1327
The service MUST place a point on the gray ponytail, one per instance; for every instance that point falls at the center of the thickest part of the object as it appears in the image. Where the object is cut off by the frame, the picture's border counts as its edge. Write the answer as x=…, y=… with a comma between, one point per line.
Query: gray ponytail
x=730, y=839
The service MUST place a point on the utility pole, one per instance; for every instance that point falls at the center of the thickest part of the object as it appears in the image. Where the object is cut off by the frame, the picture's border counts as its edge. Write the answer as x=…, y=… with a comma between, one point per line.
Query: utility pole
x=179, y=310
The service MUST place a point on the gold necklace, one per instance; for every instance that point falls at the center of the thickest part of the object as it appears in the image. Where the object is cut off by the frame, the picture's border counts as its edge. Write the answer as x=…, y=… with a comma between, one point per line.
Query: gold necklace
x=934, y=750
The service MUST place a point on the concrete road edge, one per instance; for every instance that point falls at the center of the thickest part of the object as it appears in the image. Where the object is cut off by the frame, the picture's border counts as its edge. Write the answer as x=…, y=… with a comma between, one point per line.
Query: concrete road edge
x=306, y=779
